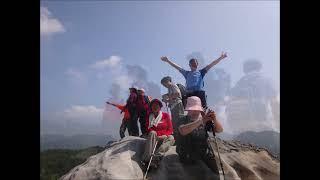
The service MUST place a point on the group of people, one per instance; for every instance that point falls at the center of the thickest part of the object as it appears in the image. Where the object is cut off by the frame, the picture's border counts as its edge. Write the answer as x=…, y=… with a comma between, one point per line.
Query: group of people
x=136, y=108
x=189, y=132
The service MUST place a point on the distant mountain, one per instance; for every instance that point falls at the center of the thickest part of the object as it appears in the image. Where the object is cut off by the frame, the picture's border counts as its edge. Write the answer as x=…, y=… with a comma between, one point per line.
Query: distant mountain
x=225, y=136
x=266, y=139
x=57, y=141
x=55, y=163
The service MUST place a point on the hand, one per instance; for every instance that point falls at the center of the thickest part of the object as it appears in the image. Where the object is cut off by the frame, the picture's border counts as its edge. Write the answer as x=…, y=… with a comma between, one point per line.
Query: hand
x=223, y=55
x=165, y=97
x=165, y=100
x=210, y=116
x=162, y=137
x=164, y=58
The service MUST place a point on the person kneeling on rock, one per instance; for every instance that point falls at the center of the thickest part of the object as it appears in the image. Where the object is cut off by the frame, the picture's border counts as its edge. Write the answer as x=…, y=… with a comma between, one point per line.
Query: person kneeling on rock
x=159, y=129
x=192, y=140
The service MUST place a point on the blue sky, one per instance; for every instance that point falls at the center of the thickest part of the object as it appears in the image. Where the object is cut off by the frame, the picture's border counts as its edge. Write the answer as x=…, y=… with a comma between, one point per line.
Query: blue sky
x=80, y=34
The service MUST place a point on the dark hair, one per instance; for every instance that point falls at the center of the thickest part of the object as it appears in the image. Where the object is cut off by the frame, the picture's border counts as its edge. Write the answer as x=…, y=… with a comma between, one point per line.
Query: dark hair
x=251, y=65
x=134, y=90
x=193, y=59
x=166, y=79
x=156, y=101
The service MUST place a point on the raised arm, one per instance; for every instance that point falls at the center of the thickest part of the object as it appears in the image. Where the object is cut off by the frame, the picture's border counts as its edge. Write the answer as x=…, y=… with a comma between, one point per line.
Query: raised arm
x=117, y=106
x=211, y=116
x=165, y=59
x=223, y=55
x=188, y=128
x=111, y=103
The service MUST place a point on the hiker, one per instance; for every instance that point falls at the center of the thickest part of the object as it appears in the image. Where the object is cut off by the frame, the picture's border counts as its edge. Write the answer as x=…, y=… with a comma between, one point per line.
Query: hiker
x=132, y=107
x=192, y=142
x=125, y=119
x=174, y=98
x=194, y=78
x=159, y=128
x=142, y=109
x=252, y=101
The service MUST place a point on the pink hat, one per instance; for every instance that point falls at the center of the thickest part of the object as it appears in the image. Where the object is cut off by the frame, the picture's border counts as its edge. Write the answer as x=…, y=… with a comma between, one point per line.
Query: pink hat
x=194, y=103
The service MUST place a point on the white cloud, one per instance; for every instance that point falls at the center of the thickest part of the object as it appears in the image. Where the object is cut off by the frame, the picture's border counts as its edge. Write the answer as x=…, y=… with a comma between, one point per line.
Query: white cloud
x=123, y=81
x=48, y=24
x=78, y=78
x=75, y=73
x=111, y=62
x=87, y=113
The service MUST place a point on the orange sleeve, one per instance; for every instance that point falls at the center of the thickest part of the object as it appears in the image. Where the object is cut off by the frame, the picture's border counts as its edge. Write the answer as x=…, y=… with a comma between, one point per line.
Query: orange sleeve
x=120, y=107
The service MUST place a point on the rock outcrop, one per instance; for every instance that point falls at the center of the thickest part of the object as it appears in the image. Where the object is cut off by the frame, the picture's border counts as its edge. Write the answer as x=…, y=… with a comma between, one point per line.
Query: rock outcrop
x=121, y=160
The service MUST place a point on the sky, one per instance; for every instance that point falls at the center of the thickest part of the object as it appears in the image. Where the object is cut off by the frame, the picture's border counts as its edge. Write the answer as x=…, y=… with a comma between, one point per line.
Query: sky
x=93, y=51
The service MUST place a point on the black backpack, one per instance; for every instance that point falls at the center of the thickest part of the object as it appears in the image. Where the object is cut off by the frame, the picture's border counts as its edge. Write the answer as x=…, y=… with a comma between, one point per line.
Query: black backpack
x=183, y=92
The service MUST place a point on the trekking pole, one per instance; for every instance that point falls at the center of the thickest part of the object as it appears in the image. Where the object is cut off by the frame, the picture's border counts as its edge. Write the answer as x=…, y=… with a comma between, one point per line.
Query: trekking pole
x=215, y=140
x=145, y=175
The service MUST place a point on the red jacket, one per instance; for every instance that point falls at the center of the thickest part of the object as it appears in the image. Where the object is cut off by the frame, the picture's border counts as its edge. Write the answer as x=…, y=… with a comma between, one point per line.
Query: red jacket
x=164, y=127
x=125, y=110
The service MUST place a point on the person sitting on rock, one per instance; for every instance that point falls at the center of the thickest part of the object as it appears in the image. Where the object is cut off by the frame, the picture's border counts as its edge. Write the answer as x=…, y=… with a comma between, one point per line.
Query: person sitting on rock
x=159, y=128
x=192, y=141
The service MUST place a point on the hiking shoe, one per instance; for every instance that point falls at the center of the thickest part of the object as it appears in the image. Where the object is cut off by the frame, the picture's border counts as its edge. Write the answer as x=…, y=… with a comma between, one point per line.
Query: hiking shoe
x=157, y=157
x=154, y=165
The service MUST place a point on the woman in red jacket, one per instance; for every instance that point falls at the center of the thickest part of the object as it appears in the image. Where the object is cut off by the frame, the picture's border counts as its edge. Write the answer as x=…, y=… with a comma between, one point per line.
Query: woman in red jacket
x=159, y=128
x=125, y=120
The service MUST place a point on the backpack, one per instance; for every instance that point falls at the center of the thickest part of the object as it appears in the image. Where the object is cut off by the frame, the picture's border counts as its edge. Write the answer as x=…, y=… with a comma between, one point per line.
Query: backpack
x=183, y=92
x=147, y=99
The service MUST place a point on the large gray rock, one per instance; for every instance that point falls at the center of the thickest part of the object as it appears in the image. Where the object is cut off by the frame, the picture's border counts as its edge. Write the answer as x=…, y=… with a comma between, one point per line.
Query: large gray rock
x=121, y=161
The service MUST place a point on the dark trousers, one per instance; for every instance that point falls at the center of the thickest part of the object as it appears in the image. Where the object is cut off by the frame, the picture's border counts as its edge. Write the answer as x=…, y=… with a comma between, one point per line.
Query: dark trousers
x=142, y=121
x=133, y=123
x=123, y=128
x=201, y=95
x=207, y=158
x=210, y=161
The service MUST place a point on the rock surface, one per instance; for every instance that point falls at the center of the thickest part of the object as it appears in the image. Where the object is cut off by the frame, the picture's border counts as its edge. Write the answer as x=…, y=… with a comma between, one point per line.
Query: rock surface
x=121, y=160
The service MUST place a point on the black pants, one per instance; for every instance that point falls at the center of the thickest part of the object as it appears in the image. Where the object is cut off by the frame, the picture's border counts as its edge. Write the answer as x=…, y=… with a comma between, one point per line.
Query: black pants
x=142, y=121
x=208, y=159
x=133, y=123
x=123, y=128
x=201, y=95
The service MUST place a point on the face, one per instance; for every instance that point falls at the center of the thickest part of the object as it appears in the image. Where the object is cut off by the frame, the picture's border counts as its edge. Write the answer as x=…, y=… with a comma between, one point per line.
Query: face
x=166, y=84
x=194, y=113
x=155, y=107
x=140, y=92
x=193, y=65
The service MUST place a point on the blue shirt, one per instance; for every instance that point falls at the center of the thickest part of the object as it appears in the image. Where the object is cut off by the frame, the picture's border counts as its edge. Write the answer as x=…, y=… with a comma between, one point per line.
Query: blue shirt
x=194, y=79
